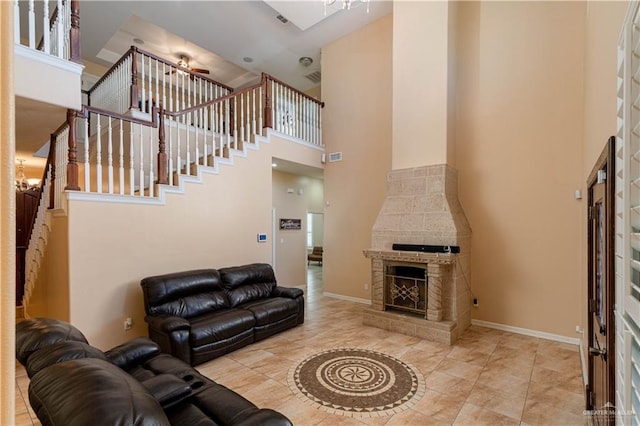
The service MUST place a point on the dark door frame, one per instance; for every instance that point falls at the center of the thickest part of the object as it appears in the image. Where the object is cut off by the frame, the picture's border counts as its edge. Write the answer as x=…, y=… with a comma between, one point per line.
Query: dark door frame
x=605, y=162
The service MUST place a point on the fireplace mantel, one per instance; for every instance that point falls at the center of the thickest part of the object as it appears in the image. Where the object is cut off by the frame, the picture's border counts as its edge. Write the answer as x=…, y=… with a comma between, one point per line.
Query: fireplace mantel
x=411, y=256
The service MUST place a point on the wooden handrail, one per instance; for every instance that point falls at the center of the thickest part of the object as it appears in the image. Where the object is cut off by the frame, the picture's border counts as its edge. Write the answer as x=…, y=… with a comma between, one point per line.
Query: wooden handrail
x=134, y=49
x=90, y=109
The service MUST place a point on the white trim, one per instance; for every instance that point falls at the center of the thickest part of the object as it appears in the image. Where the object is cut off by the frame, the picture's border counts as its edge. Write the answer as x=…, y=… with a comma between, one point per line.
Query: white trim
x=527, y=332
x=53, y=61
x=583, y=365
x=294, y=139
x=347, y=298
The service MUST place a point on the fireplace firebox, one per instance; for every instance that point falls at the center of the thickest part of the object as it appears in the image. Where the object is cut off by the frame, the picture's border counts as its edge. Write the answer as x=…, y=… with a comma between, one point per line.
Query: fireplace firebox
x=405, y=288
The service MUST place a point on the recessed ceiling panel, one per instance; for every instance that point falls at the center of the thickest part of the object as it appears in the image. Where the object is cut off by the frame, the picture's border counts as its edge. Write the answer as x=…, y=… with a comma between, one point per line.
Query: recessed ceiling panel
x=303, y=14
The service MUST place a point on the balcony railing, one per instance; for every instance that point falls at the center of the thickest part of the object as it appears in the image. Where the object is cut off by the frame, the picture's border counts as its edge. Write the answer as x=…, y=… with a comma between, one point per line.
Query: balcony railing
x=52, y=27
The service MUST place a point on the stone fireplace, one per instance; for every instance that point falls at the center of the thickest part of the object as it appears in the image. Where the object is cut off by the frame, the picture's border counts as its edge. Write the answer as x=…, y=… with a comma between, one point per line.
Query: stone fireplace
x=421, y=208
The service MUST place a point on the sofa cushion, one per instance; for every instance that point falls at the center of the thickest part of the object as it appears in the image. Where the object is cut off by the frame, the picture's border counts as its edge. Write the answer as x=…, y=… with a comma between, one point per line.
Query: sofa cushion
x=220, y=326
x=90, y=392
x=184, y=294
x=249, y=282
x=271, y=310
x=61, y=351
x=36, y=333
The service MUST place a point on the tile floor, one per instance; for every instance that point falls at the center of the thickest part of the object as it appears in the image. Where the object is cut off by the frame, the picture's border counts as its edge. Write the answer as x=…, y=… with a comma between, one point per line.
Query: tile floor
x=489, y=377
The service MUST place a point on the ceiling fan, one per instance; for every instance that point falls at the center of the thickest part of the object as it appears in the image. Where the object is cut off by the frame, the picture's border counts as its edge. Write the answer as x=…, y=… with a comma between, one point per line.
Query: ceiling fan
x=184, y=63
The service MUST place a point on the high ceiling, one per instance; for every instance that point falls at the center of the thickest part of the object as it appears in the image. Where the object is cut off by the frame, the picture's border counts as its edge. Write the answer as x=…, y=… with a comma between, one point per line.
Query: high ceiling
x=221, y=34
x=216, y=35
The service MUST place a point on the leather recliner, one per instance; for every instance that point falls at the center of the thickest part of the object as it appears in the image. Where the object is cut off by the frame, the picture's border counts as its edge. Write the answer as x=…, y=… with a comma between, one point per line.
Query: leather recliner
x=202, y=314
x=73, y=383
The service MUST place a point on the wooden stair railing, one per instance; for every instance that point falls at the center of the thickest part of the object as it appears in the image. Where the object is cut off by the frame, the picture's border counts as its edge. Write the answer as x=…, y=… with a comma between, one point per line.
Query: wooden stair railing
x=62, y=27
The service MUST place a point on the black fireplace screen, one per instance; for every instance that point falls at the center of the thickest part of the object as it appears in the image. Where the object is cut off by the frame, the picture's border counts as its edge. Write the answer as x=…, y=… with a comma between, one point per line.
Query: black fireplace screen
x=405, y=288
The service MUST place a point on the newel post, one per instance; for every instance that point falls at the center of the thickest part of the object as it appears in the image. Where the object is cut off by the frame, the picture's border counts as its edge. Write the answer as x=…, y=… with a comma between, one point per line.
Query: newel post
x=74, y=32
x=72, y=166
x=163, y=172
x=52, y=164
x=134, y=79
x=267, y=101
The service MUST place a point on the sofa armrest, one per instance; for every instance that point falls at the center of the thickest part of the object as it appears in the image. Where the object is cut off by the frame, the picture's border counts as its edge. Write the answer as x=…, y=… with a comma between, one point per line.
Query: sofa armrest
x=289, y=292
x=265, y=417
x=167, y=324
x=167, y=388
x=133, y=352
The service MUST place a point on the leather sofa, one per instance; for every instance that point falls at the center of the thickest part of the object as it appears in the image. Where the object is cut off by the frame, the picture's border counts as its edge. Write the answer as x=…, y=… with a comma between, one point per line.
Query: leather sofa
x=73, y=383
x=202, y=314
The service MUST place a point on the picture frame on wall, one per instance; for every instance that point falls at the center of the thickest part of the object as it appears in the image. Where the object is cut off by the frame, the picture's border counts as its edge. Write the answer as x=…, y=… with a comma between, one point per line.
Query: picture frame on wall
x=290, y=224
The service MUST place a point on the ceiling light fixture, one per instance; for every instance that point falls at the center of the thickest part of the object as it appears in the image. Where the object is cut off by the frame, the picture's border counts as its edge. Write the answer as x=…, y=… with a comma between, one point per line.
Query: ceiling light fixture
x=138, y=41
x=346, y=4
x=247, y=59
x=305, y=61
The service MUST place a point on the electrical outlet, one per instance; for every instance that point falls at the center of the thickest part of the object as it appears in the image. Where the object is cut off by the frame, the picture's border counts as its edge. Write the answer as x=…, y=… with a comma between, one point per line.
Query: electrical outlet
x=128, y=323
x=579, y=329
x=475, y=302
x=366, y=286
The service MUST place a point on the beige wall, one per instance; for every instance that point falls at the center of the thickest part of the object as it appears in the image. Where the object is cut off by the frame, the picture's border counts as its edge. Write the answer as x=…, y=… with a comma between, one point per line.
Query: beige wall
x=421, y=82
x=519, y=145
x=291, y=245
x=356, y=72
x=112, y=246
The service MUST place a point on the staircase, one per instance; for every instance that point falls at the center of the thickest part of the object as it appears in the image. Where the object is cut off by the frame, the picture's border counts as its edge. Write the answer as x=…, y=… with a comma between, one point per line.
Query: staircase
x=147, y=131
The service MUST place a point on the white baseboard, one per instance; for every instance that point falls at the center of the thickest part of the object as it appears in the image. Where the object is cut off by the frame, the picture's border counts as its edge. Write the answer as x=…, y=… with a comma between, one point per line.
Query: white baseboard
x=527, y=332
x=348, y=298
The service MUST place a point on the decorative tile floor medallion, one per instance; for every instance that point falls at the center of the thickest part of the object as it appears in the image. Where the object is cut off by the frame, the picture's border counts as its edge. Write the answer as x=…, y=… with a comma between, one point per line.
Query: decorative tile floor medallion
x=357, y=382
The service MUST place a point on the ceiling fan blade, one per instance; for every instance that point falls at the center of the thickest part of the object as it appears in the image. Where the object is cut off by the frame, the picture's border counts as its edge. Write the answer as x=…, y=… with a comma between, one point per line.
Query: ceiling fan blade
x=200, y=70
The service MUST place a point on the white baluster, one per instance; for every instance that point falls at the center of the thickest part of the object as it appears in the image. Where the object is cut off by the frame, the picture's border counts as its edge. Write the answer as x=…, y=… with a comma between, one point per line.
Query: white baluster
x=150, y=99
x=179, y=154
x=170, y=132
x=157, y=85
x=319, y=142
x=242, y=135
x=253, y=115
x=235, y=122
x=164, y=87
x=141, y=163
x=260, y=110
x=121, y=162
x=142, y=80
x=99, y=154
x=132, y=179
x=87, y=165
x=110, y=156
x=151, y=157
x=187, y=129
x=46, y=34
x=195, y=129
x=32, y=25
x=60, y=30
x=227, y=121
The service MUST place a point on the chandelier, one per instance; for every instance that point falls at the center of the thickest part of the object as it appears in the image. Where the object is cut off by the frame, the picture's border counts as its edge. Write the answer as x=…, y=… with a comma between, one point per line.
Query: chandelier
x=346, y=4
x=21, y=180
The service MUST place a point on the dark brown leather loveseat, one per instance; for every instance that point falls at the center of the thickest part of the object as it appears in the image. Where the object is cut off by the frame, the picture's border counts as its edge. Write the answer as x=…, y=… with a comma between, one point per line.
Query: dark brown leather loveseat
x=202, y=314
x=73, y=383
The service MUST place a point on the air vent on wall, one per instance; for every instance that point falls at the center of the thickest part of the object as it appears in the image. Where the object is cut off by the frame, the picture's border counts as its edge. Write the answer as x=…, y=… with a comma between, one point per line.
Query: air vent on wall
x=335, y=156
x=282, y=19
x=315, y=76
